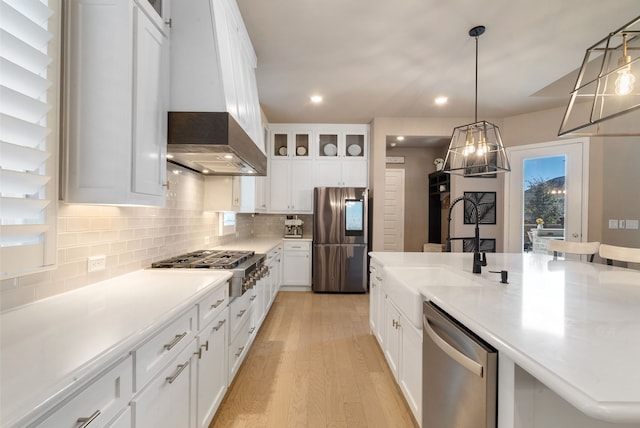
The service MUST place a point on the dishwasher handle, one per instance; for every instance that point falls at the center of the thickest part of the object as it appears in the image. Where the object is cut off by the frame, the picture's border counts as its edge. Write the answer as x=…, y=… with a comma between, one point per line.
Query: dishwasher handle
x=466, y=362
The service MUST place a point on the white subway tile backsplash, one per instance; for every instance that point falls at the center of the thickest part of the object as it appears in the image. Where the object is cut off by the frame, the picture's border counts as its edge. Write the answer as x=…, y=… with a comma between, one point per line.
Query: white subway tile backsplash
x=131, y=238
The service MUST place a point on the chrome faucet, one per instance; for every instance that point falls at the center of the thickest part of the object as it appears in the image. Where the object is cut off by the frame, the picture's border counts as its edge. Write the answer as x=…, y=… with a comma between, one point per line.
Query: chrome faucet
x=479, y=259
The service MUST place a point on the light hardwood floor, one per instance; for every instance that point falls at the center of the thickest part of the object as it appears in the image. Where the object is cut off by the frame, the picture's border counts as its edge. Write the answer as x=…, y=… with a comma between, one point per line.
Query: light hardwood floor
x=315, y=364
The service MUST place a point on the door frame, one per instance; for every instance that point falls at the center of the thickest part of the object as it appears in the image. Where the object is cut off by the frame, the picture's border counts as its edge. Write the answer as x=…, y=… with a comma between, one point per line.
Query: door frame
x=509, y=210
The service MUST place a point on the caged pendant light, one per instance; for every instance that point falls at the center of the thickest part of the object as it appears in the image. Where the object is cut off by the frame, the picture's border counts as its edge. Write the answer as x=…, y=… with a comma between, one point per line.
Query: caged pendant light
x=476, y=149
x=606, y=87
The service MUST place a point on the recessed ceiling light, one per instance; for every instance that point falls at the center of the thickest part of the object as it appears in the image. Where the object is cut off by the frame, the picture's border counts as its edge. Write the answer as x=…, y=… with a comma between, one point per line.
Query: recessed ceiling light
x=251, y=171
x=169, y=156
x=316, y=99
x=441, y=100
x=400, y=138
x=228, y=156
x=205, y=171
x=393, y=144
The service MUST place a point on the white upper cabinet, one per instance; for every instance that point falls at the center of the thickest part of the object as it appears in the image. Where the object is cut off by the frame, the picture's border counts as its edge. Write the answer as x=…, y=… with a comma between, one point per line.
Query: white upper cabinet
x=230, y=193
x=213, y=63
x=115, y=103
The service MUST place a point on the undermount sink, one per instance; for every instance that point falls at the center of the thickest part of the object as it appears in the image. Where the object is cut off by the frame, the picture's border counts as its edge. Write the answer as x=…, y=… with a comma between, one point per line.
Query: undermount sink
x=402, y=287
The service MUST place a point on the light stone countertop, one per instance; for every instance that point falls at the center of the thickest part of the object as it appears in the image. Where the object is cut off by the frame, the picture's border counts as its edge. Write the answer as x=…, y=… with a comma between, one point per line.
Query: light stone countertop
x=52, y=347
x=575, y=326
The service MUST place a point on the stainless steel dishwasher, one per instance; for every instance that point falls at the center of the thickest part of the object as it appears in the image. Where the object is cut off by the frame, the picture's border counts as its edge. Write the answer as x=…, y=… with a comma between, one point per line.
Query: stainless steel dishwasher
x=459, y=374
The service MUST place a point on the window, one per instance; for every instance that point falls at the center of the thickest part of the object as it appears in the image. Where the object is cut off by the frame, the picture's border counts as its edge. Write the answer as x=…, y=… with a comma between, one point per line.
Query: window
x=28, y=136
x=227, y=224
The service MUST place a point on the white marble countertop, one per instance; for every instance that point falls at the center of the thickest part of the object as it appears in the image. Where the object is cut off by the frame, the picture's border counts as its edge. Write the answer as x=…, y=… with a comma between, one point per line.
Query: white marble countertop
x=51, y=347
x=575, y=326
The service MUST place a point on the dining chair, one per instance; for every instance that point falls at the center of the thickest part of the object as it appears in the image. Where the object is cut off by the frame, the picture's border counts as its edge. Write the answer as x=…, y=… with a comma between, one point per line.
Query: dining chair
x=622, y=254
x=568, y=247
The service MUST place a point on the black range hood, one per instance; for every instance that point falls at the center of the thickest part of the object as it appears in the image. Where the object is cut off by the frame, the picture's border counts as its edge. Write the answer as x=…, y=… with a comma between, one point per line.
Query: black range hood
x=213, y=143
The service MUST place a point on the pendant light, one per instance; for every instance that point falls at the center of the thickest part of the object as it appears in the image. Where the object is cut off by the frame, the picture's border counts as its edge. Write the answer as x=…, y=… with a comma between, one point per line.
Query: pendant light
x=605, y=87
x=476, y=149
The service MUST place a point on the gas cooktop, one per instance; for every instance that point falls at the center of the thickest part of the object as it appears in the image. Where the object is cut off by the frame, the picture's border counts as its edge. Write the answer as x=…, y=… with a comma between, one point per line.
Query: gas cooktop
x=206, y=259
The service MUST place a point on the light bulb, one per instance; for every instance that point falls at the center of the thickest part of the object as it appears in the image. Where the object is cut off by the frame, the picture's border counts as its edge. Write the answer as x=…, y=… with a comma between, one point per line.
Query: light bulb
x=482, y=145
x=625, y=81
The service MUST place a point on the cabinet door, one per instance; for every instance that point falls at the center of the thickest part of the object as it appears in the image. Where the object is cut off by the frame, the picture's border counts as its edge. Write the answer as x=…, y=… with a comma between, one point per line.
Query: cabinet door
x=296, y=268
x=219, y=193
x=280, y=186
x=261, y=194
x=169, y=400
x=355, y=173
x=410, y=373
x=393, y=338
x=212, y=368
x=302, y=186
x=376, y=300
x=327, y=173
x=149, y=107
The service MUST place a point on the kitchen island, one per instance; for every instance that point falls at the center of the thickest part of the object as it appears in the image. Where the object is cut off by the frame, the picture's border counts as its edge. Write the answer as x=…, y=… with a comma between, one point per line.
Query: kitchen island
x=567, y=332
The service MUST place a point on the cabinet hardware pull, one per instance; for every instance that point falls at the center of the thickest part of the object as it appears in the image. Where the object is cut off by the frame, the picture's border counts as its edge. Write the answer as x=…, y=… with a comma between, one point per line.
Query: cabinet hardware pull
x=241, y=313
x=86, y=421
x=205, y=346
x=198, y=353
x=174, y=342
x=240, y=349
x=179, y=370
x=253, y=297
x=216, y=304
x=251, y=330
x=220, y=323
x=169, y=22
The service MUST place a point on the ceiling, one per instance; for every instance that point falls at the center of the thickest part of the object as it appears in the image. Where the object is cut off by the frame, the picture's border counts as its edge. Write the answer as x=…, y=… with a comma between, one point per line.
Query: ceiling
x=382, y=58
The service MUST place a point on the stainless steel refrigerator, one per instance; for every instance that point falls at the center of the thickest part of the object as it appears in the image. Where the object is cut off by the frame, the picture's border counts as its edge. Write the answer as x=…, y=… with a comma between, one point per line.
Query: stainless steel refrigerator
x=340, y=233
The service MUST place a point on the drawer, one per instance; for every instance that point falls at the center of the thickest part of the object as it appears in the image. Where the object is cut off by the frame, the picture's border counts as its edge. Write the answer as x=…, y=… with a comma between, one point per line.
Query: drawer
x=168, y=400
x=98, y=403
x=154, y=354
x=213, y=304
x=238, y=311
x=238, y=347
x=297, y=246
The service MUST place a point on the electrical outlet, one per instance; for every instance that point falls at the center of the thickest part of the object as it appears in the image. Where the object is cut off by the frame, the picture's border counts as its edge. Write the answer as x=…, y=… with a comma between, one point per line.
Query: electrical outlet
x=207, y=240
x=96, y=263
x=613, y=224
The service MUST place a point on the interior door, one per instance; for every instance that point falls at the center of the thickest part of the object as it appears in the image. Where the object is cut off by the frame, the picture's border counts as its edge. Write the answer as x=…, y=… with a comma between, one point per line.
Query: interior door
x=394, y=210
x=576, y=152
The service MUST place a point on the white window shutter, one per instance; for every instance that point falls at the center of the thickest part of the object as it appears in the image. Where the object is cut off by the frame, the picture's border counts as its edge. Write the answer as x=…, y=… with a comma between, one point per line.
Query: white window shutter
x=27, y=163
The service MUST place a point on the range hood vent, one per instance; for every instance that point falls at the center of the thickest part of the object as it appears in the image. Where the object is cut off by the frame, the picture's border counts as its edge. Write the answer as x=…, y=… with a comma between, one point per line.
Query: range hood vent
x=213, y=143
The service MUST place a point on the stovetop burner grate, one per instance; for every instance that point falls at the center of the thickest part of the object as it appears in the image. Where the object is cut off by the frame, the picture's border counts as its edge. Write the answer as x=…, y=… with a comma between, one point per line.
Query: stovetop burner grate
x=207, y=259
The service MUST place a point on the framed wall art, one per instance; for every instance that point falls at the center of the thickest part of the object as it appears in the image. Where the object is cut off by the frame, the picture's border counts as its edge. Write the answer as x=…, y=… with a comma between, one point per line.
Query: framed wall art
x=488, y=245
x=486, y=202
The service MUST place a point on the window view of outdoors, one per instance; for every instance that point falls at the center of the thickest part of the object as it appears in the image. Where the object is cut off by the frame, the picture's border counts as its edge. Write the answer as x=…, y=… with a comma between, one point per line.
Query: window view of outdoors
x=544, y=198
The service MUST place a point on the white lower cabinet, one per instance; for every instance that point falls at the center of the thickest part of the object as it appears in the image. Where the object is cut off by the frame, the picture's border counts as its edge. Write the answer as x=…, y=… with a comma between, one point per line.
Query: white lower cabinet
x=211, y=362
x=297, y=263
x=98, y=403
x=169, y=399
x=239, y=345
x=376, y=302
x=403, y=352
